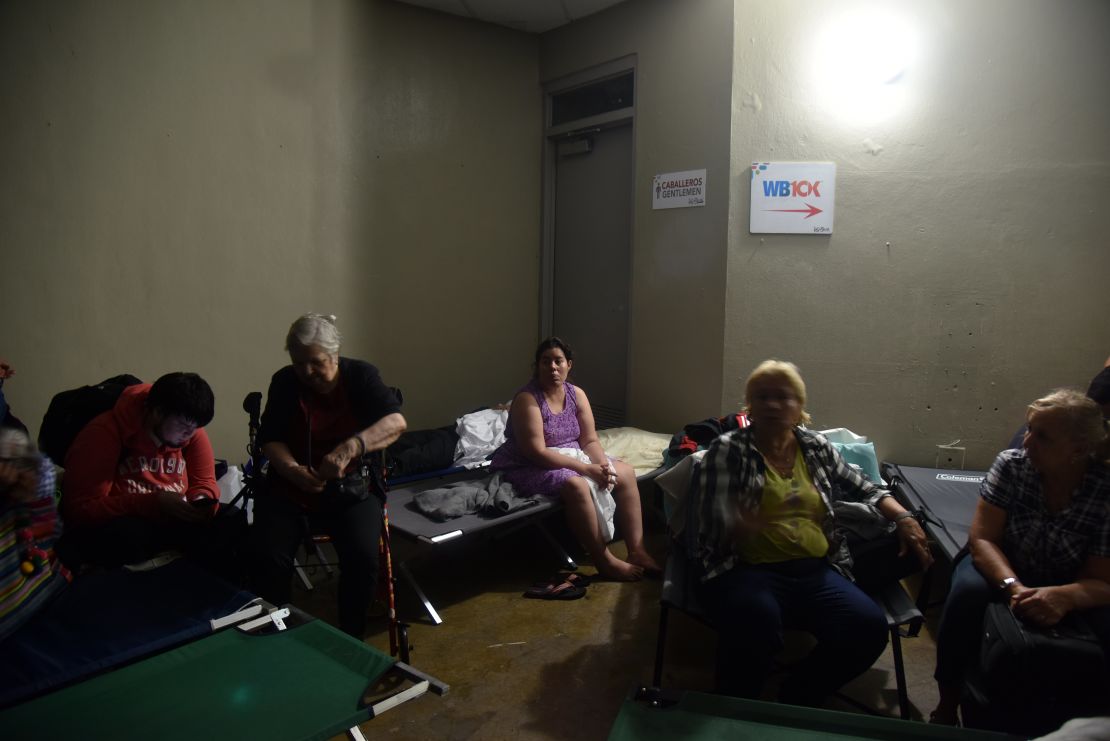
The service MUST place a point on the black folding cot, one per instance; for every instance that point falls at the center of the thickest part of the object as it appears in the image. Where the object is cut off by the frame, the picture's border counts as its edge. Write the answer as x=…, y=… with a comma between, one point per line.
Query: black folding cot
x=408, y=521
x=947, y=498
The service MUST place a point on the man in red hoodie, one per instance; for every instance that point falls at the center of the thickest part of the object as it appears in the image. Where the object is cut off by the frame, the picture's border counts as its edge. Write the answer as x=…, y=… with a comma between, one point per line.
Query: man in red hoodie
x=140, y=478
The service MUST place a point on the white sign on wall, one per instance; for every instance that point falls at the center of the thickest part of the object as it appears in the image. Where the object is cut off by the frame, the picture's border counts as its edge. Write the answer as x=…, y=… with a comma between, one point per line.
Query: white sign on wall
x=678, y=189
x=793, y=197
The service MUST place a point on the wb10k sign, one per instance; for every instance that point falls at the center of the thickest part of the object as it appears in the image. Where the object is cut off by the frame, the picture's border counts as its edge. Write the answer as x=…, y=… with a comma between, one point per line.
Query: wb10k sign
x=793, y=197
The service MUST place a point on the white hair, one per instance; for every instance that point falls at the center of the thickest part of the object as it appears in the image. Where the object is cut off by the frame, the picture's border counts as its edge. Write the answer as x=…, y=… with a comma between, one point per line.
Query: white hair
x=315, y=329
x=14, y=444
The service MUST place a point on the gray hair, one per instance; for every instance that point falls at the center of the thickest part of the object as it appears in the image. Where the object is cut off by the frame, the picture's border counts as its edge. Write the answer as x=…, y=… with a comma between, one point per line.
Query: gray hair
x=1083, y=416
x=15, y=445
x=315, y=329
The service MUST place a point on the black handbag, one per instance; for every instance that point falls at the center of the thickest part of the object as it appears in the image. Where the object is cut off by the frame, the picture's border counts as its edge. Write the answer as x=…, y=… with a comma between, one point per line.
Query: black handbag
x=351, y=489
x=1029, y=677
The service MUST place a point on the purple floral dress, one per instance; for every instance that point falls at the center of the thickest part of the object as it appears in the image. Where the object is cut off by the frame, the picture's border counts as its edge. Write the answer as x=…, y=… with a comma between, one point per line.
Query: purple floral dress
x=559, y=431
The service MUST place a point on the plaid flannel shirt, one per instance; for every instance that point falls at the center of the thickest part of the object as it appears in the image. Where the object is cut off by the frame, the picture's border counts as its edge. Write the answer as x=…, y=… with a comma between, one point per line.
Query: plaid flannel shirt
x=730, y=485
x=1044, y=548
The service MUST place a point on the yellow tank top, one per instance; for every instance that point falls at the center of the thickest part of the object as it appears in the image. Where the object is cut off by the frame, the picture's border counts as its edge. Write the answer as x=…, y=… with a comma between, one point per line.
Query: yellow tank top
x=792, y=512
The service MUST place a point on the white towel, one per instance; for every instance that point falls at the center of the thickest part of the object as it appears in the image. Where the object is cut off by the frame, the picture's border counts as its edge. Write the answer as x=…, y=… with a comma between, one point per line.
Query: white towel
x=604, y=504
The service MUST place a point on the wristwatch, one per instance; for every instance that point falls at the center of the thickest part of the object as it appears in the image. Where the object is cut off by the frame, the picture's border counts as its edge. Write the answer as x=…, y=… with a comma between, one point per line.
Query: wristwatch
x=1005, y=583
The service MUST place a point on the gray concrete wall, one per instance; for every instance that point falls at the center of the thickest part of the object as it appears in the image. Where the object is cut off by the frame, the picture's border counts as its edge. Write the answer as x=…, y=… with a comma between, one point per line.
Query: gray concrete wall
x=968, y=270
x=683, y=92
x=181, y=179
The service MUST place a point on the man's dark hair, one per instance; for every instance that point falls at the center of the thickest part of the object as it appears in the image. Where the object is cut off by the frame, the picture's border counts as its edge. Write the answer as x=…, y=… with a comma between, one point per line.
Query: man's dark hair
x=183, y=394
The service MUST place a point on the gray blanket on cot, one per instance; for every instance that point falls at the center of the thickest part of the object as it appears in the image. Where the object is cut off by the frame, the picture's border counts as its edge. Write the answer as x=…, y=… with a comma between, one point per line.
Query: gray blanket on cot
x=485, y=496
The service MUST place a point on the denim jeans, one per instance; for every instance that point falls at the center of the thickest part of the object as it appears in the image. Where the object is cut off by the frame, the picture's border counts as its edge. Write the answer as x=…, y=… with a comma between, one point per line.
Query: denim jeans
x=751, y=605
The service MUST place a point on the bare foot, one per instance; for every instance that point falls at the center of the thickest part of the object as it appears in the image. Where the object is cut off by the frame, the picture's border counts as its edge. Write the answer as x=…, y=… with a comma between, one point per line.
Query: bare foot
x=644, y=560
x=618, y=570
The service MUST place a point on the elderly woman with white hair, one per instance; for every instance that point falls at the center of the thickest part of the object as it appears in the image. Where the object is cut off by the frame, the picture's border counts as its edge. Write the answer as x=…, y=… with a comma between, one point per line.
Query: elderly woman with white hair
x=323, y=414
x=773, y=556
x=1040, y=538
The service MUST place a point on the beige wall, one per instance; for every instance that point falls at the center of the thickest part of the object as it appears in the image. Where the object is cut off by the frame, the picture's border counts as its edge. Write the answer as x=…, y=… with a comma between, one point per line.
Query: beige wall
x=990, y=187
x=683, y=91
x=183, y=178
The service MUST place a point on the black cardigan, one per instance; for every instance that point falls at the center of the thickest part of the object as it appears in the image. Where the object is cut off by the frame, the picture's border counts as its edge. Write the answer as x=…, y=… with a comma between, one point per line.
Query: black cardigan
x=368, y=394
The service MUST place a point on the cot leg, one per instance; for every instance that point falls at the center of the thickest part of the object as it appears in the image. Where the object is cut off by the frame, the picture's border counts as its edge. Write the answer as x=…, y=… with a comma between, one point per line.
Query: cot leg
x=922, y=602
x=355, y=734
x=322, y=558
x=403, y=641
x=660, y=647
x=435, y=685
x=300, y=572
x=436, y=619
x=899, y=673
x=570, y=562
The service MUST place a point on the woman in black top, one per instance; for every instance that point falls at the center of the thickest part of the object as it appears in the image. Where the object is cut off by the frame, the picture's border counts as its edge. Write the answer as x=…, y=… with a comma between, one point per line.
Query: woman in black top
x=323, y=414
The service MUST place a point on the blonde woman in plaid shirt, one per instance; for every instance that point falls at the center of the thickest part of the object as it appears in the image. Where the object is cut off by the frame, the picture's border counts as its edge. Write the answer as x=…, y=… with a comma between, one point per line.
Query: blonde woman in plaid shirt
x=773, y=555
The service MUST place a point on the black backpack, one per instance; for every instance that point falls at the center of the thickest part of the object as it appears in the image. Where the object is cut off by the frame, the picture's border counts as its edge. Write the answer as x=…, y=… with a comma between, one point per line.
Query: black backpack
x=70, y=411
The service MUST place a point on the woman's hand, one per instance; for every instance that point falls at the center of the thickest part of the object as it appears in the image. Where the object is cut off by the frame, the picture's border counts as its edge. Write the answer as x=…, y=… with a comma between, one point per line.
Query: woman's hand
x=335, y=463
x=304, y=479
x=747, y=525
x=1044, y=606
x=913, y=540
x=285, y=465
x=603, y=474
x=610, y=471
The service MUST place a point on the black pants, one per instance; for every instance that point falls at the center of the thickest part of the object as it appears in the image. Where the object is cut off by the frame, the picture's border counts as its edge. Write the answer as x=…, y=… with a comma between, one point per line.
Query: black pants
x=279, y=529
x=130, y=539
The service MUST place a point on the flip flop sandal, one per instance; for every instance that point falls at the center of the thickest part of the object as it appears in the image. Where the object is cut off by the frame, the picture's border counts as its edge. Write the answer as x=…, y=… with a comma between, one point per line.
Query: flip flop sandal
x=562, y=591
x=574, y=577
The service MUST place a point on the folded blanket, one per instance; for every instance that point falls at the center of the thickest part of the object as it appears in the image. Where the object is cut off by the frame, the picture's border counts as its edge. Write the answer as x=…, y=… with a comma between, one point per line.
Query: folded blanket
x=488, y=496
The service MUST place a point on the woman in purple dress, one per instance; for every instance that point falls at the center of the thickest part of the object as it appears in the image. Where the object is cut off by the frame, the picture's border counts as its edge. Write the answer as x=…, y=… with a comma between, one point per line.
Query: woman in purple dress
x=551, y=413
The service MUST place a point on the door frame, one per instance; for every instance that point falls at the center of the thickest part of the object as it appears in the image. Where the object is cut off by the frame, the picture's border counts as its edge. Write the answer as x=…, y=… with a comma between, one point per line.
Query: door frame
x=551, y=138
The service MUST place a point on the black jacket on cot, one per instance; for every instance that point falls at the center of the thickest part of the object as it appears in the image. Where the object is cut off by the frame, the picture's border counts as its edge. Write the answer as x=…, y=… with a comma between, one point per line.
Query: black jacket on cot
x=698, y=435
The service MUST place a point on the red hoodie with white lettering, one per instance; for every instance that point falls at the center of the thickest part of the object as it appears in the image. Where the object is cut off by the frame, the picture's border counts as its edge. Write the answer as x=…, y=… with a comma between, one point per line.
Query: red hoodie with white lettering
x=115, y=467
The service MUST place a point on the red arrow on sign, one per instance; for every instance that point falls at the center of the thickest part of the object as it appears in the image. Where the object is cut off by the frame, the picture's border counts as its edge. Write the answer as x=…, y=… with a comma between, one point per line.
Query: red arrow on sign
x=809, y=211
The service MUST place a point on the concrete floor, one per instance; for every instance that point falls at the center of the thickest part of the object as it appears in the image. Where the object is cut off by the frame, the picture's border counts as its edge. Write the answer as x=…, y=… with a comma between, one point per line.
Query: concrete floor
x=534, y=669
